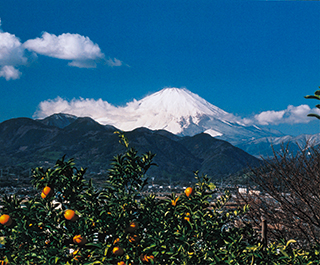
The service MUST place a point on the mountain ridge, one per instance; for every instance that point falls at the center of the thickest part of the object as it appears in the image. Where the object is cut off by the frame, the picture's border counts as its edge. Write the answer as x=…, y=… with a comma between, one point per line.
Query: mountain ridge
x=30, y=143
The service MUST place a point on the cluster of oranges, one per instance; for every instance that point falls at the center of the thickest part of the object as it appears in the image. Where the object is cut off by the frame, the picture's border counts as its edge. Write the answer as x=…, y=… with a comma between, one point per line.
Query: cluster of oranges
x=81, y=240
x=131, y=229
x=133, y=226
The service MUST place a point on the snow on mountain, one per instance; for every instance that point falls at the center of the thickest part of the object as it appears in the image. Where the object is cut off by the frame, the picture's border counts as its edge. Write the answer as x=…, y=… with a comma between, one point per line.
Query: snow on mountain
x=182, y=112
x=60, y=120
x=176, y=110
x=171, y=109
x=262, y=147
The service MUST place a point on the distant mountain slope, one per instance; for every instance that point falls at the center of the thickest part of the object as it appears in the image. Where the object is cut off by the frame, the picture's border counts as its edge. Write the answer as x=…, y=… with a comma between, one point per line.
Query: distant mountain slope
x=23, y=132
x=59, y=120
x=31, y=143
x=262, y=147
x=218, y=156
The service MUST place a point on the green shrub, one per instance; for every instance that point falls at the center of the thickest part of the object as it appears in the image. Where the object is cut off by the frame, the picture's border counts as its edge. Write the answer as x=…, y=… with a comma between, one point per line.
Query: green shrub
x=120, y=224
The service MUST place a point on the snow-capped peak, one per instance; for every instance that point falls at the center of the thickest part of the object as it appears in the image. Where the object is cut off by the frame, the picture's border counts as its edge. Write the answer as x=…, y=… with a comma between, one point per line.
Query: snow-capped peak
x=172, y=109
x=176, y=110
x=179, y=102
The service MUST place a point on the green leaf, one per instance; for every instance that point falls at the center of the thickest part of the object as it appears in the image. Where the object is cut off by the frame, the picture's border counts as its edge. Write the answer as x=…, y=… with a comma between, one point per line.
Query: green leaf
x=313, y=97
x=313, y=115
x=290, y=241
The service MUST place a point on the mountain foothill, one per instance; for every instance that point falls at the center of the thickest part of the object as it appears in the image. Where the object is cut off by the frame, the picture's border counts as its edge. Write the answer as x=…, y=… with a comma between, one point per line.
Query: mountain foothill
x=30, y=143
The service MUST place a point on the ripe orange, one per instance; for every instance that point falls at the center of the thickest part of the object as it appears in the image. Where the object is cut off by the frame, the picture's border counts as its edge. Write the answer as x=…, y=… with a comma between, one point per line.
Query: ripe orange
x=121, y=263
x=146, y=258
x=70, y=215
x=134, y=238
x=188, y=191
x=5, y=219
x=75, y=254
x=79, y=240
x=133, y=226
x=118, y=251
x=174, y=202
x=46, y=192
x=187, y=217
x=116, y=241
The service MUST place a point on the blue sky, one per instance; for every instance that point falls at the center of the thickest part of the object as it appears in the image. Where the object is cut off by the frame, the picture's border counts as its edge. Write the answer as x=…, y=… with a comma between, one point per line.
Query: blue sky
x=250, y=58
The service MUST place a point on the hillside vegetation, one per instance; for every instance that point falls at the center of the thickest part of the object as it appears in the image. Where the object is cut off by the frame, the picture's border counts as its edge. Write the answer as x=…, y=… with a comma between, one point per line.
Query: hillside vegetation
x=70, y=222
x=30, y=143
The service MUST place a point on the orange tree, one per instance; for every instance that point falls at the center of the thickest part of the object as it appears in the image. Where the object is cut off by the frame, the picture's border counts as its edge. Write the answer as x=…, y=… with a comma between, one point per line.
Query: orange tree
x=70, y=222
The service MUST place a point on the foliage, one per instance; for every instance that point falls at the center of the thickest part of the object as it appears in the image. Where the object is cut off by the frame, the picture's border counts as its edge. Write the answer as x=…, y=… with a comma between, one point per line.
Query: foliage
x=122, y=225
x=315, y=96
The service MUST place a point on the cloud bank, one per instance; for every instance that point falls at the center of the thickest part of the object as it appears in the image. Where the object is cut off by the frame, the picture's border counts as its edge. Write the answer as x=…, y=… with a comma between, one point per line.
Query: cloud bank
x=79, y=50
x=128, y=115
x=291, y=115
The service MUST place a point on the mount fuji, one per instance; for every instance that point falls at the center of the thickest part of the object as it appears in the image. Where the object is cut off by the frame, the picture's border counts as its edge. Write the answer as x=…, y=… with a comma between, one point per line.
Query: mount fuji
x=183, y=113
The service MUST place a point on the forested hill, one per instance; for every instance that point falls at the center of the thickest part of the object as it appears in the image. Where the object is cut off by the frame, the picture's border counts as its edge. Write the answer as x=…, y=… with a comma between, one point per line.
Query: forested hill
x=30, y=143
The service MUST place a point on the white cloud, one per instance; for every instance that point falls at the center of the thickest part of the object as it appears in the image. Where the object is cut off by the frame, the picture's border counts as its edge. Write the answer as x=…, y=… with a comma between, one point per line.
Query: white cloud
x=9, y=72
x=134, y=115
x=114, y=62
x=291, y=115
x=11, y=55
x=11, y=50
x=80, y=50
x=78, y=107
x=269, y=117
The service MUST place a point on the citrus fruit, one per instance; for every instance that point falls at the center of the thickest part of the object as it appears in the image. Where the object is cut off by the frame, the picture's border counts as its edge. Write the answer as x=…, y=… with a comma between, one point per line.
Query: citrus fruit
x=46, y=192
x=5, y=219
x=118, y=251
x=146, y=258
x=79, y=240
x=70, y=215
x=121, y=263
x=187, y=217
x=133, y=226
x=188, y=191
x=174, y=202
x=134, y=238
